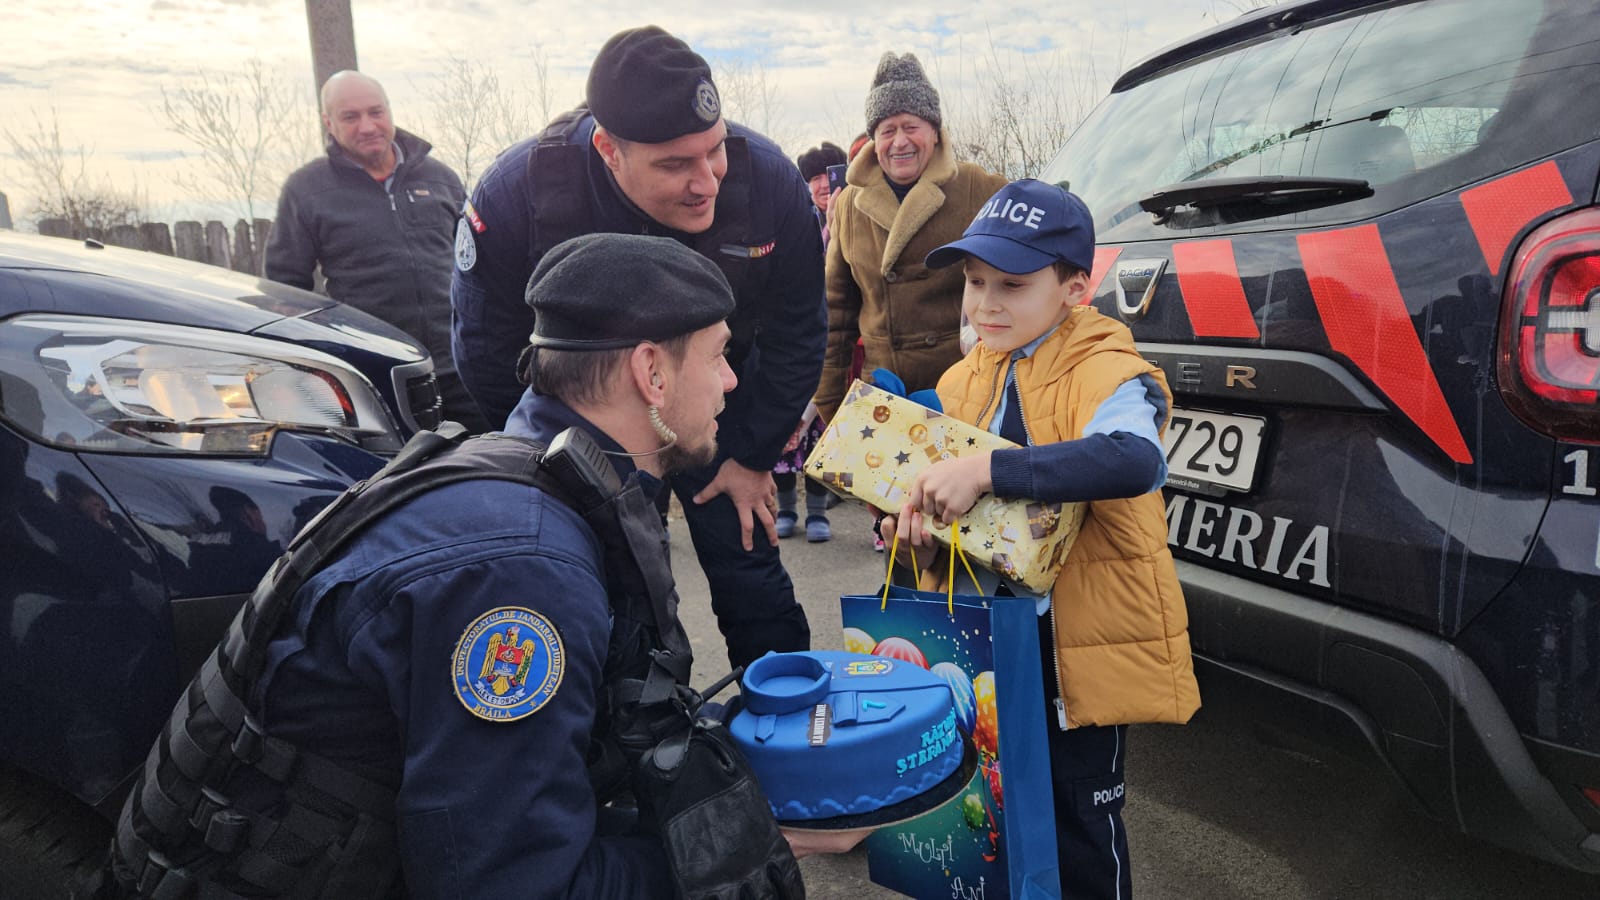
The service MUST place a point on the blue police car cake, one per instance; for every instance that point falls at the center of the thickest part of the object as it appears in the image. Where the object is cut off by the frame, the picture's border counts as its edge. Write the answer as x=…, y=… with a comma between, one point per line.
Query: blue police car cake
x=846, y=740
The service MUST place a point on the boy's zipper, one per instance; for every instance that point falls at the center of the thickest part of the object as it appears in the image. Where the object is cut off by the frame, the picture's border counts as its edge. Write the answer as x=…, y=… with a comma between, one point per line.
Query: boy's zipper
x=1055, y=661
x=990, y=402
x=1055, y=646
x=1021, y=414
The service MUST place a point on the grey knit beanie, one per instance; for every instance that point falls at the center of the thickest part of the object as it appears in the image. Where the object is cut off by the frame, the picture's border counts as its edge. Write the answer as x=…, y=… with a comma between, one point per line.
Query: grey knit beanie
x=900, y=86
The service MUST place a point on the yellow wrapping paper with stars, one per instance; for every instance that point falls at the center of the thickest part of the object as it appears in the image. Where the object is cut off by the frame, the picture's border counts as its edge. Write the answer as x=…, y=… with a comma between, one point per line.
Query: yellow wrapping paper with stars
x=878, y=443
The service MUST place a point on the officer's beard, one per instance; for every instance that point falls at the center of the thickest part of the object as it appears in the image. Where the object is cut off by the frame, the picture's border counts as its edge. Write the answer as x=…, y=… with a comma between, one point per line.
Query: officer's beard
x=678, y=458
x=675, y=456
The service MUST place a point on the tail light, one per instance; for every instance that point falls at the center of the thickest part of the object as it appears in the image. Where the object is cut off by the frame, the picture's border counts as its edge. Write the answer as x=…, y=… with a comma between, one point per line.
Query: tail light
x=1549, y=352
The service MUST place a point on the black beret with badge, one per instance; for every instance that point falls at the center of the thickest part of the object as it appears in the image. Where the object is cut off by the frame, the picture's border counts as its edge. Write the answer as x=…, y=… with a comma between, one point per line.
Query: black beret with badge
x=648, y=86
x=607, y=291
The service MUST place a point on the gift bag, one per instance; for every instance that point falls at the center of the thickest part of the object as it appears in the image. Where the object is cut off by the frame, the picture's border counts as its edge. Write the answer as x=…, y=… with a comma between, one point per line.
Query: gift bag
x=996, y=838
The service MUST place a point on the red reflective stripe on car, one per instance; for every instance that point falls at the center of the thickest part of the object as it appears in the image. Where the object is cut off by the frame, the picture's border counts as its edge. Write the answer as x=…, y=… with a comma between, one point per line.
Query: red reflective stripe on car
x=1501, y=208
x=1208, y=277
x=1104, y=259
x=1366, y=319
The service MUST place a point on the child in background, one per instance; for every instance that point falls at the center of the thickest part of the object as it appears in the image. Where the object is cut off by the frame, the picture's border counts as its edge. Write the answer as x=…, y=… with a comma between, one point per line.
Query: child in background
x=813, y=165
x=1068, y=385
x=790, y=469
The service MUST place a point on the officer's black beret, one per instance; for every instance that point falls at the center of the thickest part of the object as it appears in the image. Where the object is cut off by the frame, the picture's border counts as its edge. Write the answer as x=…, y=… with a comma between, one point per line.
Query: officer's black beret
x=648, y=86
x=605, y=291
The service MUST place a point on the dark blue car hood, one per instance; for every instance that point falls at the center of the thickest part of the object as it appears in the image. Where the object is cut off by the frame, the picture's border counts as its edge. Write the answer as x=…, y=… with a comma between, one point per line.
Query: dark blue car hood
x=137, y=285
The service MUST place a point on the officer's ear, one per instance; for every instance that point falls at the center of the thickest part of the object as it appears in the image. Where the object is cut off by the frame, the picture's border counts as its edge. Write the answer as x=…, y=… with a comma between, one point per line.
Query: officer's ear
x=609, y=148
x=646, y=364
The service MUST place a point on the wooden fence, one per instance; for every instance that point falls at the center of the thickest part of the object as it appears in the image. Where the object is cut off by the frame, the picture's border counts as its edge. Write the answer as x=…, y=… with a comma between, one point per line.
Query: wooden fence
x=241, y=249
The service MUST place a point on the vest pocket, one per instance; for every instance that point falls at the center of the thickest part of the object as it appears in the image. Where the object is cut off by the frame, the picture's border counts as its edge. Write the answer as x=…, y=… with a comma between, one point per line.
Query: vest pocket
x=428, y=854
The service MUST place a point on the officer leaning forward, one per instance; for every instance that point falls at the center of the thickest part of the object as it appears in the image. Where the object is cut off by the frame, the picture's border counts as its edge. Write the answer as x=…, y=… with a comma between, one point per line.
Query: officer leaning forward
x=426, y=697
x=651, y=154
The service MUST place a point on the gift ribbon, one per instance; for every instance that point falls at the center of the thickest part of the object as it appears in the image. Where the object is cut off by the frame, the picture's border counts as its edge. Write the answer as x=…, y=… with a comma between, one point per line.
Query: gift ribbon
x=950, y=578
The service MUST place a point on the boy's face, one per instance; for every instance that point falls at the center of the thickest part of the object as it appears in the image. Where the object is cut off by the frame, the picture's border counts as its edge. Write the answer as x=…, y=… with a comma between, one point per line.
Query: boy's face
x=1008, y=311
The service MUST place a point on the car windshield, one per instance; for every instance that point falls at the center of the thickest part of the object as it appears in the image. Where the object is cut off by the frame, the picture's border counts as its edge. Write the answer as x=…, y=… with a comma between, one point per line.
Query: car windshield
x=1414, y=99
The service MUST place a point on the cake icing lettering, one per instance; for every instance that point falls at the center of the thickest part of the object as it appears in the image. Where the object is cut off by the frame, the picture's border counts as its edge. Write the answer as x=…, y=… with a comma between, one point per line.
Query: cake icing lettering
x=935, y=741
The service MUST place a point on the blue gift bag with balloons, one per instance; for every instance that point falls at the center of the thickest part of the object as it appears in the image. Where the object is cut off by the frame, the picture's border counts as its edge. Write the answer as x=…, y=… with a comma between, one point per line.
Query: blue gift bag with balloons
x=996, y=838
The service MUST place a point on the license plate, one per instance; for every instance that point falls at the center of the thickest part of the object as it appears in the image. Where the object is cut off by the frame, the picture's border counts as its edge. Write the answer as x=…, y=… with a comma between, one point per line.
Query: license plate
x=1207, y=450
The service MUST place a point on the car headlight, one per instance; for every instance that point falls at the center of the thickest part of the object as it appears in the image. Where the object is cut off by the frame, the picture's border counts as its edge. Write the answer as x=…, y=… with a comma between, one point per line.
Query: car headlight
x=119, y=386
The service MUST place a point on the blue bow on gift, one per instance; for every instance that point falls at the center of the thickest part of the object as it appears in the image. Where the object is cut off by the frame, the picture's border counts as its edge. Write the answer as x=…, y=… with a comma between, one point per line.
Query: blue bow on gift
x=885, y=380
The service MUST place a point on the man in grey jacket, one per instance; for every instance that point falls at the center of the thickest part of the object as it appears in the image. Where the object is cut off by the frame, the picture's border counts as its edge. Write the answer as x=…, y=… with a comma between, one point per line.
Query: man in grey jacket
x=379, y=215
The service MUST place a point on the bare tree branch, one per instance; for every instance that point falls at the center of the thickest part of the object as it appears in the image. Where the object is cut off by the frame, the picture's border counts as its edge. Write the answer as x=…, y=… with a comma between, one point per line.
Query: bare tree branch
x=250, y=129
x=750, y=97
x=57, y=175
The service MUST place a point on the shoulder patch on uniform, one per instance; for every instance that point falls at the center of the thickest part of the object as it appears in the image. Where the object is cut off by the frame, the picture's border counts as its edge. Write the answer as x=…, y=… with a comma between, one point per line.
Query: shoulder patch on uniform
x=508, y=664
x=466, y=247
x=471, y=215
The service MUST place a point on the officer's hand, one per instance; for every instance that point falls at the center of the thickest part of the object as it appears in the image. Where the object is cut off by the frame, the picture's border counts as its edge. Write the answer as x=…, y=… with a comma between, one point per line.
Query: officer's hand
x=947, y=489
x=754, y=495
x=806, y=843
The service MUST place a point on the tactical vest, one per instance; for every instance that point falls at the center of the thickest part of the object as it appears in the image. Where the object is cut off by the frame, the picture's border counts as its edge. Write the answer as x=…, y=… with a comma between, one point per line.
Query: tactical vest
x=333, y=834
x=564, y=198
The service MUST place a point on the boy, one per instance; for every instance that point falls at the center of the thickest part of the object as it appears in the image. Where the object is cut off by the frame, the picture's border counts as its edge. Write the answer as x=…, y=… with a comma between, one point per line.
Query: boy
x=1055, y=376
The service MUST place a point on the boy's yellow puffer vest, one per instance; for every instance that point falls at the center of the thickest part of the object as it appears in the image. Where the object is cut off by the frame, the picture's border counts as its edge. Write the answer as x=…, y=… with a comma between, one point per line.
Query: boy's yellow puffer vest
x=1121, y=629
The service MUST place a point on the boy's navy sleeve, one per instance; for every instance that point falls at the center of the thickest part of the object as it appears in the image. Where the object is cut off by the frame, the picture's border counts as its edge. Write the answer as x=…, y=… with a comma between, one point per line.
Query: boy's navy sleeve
x=490, y=321
x=1119, y=455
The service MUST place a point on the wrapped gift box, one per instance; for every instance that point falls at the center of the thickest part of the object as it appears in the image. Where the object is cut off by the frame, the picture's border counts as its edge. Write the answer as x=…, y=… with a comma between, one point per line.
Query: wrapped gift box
x=878, y=443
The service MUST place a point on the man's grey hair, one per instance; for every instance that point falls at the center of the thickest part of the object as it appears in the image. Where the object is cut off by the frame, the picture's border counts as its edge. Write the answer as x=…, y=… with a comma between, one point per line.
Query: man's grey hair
x=343, y=76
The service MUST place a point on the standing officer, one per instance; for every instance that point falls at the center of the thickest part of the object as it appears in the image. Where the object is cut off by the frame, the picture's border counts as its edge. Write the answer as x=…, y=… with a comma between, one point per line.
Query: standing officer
x=651, y=154
x=438, y=701
x=377, y=214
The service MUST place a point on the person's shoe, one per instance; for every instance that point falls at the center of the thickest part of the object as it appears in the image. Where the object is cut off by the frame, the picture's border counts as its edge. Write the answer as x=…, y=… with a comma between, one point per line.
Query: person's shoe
x=818, y=529
x=786, y=522
x=877, y=543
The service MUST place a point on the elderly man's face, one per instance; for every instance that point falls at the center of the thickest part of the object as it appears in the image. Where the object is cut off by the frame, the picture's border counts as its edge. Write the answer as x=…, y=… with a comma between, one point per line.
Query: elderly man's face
x=904, y=144
x=674, y=183
x=695, y=398
x=357, y=115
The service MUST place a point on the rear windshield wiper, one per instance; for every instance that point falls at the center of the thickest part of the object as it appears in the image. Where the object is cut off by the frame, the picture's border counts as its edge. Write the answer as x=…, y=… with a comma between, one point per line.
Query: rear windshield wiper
x=1272, y=194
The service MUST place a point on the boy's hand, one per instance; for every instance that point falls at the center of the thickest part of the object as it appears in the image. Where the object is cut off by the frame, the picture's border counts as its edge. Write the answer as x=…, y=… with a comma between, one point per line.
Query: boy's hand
x=907, y=526
x=946, y=490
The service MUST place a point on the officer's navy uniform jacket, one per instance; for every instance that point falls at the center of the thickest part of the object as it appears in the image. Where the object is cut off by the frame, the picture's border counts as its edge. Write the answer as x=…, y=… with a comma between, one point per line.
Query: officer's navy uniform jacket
x=363, y=675
x=766, y=240
x=385, y=248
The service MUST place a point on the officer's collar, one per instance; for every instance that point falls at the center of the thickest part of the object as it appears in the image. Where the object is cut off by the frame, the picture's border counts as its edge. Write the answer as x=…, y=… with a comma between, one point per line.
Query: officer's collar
x=540, y=418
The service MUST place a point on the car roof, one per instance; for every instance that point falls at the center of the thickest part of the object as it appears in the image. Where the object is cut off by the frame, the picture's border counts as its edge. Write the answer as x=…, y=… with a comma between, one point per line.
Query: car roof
x=1251, y=25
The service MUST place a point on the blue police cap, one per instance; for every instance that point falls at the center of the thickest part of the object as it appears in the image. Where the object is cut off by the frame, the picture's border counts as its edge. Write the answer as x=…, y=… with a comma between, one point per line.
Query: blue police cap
x=1025, y=227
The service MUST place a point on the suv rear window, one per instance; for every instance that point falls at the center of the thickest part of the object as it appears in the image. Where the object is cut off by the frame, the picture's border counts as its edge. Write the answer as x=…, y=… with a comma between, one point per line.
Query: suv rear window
x=1416, y=99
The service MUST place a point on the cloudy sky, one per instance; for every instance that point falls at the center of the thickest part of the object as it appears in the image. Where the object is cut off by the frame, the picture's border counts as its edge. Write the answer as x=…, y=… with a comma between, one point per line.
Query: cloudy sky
x=99, y=66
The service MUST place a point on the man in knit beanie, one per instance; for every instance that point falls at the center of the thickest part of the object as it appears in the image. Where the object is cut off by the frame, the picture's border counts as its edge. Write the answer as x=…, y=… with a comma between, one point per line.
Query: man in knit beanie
x=907, y=183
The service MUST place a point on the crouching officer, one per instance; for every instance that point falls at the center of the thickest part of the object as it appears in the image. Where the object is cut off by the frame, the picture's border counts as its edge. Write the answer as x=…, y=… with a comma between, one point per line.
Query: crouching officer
x=438, y=689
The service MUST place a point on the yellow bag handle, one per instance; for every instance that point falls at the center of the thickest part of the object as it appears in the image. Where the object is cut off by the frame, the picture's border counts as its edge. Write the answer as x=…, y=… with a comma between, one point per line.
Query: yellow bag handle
x=950, y=578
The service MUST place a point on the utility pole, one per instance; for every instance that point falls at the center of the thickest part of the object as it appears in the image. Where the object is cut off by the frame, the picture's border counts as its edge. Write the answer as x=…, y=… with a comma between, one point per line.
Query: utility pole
x=333, y=38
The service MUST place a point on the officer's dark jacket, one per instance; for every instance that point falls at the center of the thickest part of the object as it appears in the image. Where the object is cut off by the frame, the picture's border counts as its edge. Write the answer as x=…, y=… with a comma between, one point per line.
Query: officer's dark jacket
x=764, y=236
x=386, y=252
x=363, y=675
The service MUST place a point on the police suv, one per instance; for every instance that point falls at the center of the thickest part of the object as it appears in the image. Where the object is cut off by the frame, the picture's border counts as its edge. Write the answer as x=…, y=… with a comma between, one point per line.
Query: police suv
x=165, y=428
x=1362, y=240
